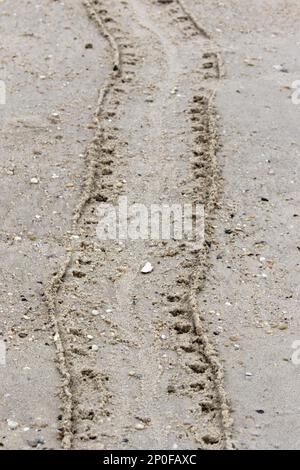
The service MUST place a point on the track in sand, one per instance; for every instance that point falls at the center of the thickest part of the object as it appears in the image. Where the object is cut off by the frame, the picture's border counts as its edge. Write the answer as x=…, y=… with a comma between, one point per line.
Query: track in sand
x=138, y=370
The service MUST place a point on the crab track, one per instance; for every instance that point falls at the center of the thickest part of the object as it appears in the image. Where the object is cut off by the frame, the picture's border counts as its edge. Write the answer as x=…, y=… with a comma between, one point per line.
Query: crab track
x=182, y=17
x=192, y=20
x=84, y=391
x=206, y=171
x=96, y=155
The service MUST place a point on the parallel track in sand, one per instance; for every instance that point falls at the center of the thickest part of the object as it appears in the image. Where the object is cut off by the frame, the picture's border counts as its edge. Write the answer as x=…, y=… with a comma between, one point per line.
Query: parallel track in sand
x=156, y=141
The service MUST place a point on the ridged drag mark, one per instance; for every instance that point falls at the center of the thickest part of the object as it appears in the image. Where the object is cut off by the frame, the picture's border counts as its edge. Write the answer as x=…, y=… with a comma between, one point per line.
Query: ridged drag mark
x=180, y=14
x=191, y=18
x=51, y=292
x=213, y=65
x=206, y=172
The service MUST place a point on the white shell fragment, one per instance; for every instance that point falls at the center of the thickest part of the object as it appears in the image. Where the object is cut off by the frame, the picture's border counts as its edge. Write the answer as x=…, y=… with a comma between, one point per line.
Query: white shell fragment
x=148, y=268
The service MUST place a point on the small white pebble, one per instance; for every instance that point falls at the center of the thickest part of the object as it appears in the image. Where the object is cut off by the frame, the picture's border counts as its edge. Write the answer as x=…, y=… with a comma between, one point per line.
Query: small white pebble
x=140, y=426
x=148, y=268
x=34, y=180
x=12, y=424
